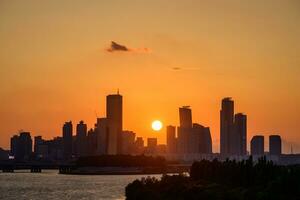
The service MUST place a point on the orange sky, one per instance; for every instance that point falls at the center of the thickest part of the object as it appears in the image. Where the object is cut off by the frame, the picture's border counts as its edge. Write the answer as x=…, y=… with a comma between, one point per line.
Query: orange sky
x=54, y=66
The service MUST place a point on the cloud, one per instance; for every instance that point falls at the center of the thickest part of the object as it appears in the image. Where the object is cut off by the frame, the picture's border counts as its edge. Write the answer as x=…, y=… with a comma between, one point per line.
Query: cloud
x=119, y=47
x=186, y=68
x=116, y=47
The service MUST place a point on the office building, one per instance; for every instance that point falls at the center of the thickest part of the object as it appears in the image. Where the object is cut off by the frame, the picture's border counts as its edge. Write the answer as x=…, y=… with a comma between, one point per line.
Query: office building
x=226, y=125
x=257, y=145
x=238, y=138
x=128, y=139
x=275, y=145
x=114, y=120
x=171, y=140
x=68, y=139
x=185, y=130
x=102, y=138
x=81, y=139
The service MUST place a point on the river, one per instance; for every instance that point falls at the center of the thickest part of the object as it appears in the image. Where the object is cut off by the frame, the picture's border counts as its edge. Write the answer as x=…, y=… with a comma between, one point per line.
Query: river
x=51, y=185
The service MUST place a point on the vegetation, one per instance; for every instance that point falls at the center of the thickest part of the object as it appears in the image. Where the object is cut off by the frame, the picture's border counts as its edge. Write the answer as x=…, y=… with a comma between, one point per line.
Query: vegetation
x=223, y=180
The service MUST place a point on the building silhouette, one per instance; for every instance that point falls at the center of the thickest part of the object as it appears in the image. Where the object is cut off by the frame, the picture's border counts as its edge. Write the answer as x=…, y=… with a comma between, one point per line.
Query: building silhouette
x=238, y=138
x=67, y=139
x=114, y=123
x=275, y=145
x=201, y=140
x=185, y=130
x=102, y=137
x=171, y=140
x=151, y=145
x=139, y=145
x=81, y=139
x=91, y=143
x=226, y=125
x=128, y=139
x=21, y=146
x=257, y=145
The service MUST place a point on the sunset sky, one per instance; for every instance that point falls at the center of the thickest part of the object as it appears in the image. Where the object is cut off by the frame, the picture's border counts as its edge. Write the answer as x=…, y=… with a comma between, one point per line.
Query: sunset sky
x=57, y=64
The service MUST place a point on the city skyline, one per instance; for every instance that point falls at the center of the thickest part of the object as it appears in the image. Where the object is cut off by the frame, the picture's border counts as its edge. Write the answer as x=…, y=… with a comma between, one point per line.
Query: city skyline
x=59, y=59
x=108, y=137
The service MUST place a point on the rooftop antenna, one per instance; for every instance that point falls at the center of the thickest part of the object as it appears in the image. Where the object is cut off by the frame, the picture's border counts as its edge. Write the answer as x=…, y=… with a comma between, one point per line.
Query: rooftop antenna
x=118, y=92
x=292, y=149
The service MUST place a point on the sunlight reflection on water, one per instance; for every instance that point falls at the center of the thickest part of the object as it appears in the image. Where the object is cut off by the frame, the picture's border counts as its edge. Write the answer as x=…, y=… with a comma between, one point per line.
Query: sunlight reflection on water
x=51, y=185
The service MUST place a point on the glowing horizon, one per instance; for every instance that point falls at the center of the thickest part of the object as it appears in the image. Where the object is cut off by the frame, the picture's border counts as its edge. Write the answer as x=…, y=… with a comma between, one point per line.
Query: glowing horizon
x=59, y=60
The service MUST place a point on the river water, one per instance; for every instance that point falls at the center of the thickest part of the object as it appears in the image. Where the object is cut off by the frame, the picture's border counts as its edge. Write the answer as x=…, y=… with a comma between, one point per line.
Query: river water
x=51, y=185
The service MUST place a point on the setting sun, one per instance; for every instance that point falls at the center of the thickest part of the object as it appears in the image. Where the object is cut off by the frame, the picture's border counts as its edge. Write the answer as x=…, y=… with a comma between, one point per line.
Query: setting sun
x=156, y=125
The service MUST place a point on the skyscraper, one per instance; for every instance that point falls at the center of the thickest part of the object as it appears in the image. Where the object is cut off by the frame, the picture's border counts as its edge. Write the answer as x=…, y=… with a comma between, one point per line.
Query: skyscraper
x=257, y=145
x=102, y=138
x=185, y=130
x=238, y=137
x=67, y=139
x=171, y=140
x=226, y=125
x=114, y=120
x=21, y=146
x=81, y=139
x=275, y=145
x=201, y=140
x=185, y=117
x=14, y=141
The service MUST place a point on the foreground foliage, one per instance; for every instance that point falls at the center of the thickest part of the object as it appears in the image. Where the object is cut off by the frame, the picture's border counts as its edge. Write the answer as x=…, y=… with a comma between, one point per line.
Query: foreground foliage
x=223, y=180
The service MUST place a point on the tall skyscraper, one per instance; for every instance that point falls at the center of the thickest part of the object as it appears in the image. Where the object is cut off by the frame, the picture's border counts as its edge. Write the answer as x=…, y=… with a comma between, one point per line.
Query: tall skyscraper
x=81, y=139
x=67, y=139
x=171, y=140
x=102, y=137
x=185, y=117
x=185, y=130
x=14, y=141
x=226, y=125
x=115, y=126
x=201, y=140
x=275, y=145
x=257, y=145
x=238, y=137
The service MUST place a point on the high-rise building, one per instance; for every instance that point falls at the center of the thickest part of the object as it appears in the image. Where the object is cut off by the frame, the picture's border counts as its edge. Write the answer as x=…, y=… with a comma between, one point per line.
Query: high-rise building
x=208, y=141
x=114, y=120
x=67, y=139
x=139, y=145
x=257, y=145
x=185, y=130
x=238, y=137
x=81, y=139
x=275, y=145
x=102, y=138
x=21, y=146
x=226, y=125
x=201, y=140
x=37, y=141
x=14, y=141
x=91, y=143
x=128, y=139
x=151, y=145
x=171, y=140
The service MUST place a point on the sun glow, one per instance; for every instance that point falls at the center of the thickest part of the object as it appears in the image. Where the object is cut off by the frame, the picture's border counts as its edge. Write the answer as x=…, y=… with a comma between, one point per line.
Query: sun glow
x=156, y=125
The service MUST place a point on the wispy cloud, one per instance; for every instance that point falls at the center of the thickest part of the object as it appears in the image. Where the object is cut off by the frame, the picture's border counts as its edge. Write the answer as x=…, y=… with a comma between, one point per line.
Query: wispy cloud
x=114, y=47
x=184, y=68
